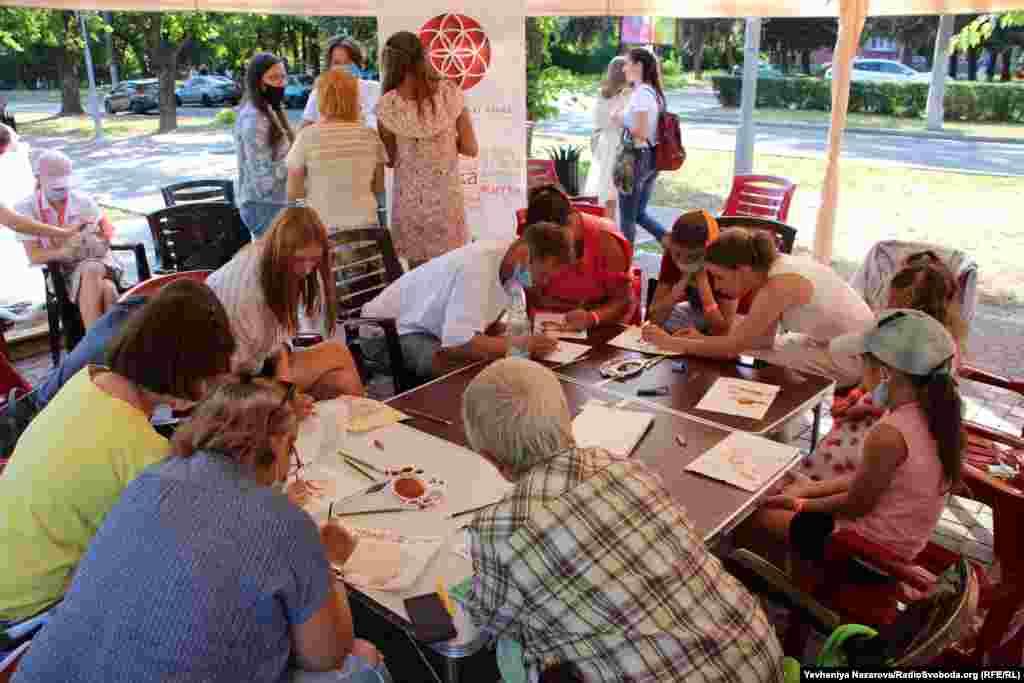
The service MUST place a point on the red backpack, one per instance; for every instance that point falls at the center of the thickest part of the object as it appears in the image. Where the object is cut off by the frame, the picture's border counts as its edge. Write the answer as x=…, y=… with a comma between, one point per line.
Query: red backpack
x=669, y=153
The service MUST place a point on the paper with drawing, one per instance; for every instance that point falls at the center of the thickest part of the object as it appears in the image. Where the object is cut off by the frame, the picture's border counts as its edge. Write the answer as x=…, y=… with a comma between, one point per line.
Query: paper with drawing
x=744, y=460
x=566, y=352
x=632, y=340
x=554, y=325
x=739, y=397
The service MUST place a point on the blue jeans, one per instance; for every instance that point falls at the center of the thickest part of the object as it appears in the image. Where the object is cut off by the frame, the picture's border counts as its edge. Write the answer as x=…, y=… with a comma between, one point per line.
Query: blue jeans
x=418, y=349
x=355, y=670
x=633, y=207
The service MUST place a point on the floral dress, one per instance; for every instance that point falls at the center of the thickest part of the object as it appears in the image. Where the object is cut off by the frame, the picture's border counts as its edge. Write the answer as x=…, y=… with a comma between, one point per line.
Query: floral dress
x=428, y=213
x=262, y=182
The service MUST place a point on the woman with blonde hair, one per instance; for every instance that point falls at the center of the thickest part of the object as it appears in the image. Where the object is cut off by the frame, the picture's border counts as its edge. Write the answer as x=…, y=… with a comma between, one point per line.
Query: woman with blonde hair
x=607, y=136
x=425, y=126
x=262, y=288
x=218, y=576
x=338, y=163
x=262, y=139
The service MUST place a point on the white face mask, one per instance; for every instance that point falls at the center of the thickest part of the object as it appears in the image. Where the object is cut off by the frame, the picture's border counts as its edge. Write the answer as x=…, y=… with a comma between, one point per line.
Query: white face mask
x=56, y=194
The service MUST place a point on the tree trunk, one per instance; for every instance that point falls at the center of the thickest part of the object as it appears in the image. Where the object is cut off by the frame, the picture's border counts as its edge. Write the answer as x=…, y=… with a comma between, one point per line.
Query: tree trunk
x=805, y=62
x=972, y=64
x=71, y=95
x=954, y=64
x=990, y=68
x=698, y=37
x=1007, y=65
x=109, y=39
x=936, y=107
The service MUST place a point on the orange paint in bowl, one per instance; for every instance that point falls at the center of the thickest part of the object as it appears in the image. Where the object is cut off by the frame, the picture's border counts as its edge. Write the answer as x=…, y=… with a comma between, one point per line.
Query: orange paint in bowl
x=409, y=488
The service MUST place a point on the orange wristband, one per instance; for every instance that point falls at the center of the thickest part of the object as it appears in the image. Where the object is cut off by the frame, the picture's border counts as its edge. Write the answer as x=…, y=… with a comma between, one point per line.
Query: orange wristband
x=798, y=505
x=596, y=317
x=711, y=309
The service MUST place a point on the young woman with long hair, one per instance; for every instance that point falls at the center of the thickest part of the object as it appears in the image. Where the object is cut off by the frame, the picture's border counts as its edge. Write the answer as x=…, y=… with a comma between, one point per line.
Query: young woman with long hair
x=607, y=137
x=262, y=139
x=640, y=118
x=425, y=126
x=217, y=576
x=262, y=288
x=810, y=301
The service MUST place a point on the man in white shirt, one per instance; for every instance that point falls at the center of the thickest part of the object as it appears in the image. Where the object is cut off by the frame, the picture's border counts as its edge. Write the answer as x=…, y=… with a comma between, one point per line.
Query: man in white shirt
x=448, y=309
x=339, y=56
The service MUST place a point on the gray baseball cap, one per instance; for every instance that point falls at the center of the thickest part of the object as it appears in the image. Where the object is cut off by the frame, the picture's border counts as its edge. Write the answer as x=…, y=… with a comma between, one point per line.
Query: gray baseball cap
x=904, y=339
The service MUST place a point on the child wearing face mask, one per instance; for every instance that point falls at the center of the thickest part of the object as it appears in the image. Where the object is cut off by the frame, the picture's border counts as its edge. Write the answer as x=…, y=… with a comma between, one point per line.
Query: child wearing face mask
x=911, y=457
x=92, y=271
x=684, y=301
x=926, y=286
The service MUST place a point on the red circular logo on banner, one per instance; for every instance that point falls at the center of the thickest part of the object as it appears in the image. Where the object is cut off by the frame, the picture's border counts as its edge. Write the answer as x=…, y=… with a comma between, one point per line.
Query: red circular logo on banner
x=458, y=48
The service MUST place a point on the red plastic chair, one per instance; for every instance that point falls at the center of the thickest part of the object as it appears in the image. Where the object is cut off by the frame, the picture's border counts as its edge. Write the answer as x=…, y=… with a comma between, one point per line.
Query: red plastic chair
x=155, y=284
x=10, y=378
x=761, y=196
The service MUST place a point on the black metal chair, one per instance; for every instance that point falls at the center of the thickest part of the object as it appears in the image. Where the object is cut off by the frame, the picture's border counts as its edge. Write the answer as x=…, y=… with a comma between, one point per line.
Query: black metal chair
x=199, y=191
x=65, y=320
x=364, y=265
x=786, y=234
x=199, y=236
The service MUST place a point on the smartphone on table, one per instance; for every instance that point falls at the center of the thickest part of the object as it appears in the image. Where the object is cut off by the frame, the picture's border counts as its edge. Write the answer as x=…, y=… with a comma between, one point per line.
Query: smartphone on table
x=431, y=621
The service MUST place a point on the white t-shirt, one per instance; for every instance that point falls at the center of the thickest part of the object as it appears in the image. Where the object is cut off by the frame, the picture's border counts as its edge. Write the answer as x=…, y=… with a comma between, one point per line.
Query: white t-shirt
x=644, y=99
x=834, y=309
x=81, y=208
x=369, y=93
x=452, y=297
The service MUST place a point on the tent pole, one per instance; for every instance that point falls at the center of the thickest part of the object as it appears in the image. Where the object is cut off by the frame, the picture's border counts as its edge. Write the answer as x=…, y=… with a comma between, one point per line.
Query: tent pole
x=94, y=99
x=744, y=163
x=940, y=66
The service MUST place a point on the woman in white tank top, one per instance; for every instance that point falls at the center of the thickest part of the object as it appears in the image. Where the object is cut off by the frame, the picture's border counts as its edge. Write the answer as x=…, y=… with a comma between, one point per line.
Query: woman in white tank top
x=812, y=303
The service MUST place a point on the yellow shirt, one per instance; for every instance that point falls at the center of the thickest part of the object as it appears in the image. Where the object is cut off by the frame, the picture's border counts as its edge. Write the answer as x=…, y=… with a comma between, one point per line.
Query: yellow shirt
x=65, y=475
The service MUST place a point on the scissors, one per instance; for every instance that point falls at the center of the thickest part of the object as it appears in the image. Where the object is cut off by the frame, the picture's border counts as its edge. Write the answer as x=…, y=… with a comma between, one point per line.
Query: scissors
x=622, y=369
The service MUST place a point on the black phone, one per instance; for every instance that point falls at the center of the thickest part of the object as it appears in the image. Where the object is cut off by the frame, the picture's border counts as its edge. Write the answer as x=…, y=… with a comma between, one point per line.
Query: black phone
x=430, y=620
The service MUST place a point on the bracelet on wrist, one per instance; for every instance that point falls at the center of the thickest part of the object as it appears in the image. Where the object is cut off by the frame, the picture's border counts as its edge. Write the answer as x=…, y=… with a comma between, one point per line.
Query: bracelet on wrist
x=596, y=318
x=799, y=504
x=711, y=309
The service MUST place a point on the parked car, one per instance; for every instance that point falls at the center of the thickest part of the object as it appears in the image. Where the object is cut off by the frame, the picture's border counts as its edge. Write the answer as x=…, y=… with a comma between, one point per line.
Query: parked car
x=764, y=70
x=120, y=98
x=235, y=88
x=883, y=71
x=297, y=91
x=146, y=98
x=207, y=91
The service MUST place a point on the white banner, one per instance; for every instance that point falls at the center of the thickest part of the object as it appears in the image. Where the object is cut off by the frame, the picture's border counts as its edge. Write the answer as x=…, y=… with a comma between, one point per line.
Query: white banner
x=481, y=46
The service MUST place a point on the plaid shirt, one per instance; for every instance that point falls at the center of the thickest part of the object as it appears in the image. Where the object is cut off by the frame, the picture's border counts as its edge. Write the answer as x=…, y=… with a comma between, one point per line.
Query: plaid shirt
x=590, y=560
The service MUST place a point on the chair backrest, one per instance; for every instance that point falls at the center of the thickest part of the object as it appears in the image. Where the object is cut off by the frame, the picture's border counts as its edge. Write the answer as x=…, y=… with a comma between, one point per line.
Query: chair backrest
x=199, y=191
x=886, y=257
x=211, y=232
x=10, y=378
x=763, y=196
x=155, y=284
x=540, y=172
x=364, y=264
x=786, y=234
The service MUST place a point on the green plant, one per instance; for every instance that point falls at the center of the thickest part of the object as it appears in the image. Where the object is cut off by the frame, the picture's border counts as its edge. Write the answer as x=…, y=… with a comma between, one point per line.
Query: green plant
x=225, y=118
x=567, y=166
x=541, y=91
x=964, y=101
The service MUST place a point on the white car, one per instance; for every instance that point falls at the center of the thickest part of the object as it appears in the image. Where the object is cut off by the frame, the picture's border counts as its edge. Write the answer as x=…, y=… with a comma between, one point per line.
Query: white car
x=883, y=71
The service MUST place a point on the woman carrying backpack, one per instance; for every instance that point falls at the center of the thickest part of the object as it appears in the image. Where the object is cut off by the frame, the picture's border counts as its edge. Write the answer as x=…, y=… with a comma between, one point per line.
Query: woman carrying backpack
x=640, y=119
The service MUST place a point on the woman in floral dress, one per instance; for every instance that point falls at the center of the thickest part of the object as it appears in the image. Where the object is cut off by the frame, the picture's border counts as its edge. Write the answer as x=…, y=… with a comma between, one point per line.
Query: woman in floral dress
x=425, y=126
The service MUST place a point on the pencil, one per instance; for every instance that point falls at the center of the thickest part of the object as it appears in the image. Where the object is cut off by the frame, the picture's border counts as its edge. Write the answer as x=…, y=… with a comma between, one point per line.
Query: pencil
x=365, y=464
x=472, y=510
x=442, y=593
x=330, y=510
x=427, y=416
x=360, y=470
x=381, y=511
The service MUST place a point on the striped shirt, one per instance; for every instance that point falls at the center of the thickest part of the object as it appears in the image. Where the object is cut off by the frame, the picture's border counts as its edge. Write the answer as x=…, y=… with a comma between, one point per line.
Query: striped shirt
x=258, y=333
x=340, y=160
x=590, y=560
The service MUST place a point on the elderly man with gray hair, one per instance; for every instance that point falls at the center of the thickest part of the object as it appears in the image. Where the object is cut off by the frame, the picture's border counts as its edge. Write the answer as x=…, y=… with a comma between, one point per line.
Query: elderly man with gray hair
x=589, y=559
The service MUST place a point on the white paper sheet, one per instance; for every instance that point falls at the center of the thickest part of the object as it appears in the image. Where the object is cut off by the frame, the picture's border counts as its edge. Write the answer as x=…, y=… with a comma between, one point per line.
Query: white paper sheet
x=553, y=324
x=739, y=397
x=615, y=430
x=744, y=460
x=632, y=340
x=566, y=352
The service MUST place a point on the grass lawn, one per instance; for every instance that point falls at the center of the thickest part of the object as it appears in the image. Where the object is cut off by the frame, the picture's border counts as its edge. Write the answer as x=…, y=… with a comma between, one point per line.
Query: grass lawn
x=118, y=127
x=973, y=213
x=995, y=130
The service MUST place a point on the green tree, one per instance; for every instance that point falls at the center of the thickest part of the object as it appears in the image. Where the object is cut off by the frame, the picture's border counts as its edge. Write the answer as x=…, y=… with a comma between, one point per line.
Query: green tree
x=786, y=35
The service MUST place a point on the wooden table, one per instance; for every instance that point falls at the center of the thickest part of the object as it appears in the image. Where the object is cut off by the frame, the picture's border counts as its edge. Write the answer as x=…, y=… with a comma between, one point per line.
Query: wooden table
x=799, y=391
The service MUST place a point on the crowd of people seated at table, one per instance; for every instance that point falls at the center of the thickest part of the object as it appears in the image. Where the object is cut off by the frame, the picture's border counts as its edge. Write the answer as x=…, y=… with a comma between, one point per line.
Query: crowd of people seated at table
x=190, y=555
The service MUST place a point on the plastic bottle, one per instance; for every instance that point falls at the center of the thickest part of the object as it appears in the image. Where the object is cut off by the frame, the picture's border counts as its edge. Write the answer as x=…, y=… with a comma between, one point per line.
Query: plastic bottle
x=517, y=326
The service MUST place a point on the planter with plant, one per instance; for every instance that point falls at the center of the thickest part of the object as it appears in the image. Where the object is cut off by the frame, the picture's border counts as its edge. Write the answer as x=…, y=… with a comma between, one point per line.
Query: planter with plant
x=567, y=166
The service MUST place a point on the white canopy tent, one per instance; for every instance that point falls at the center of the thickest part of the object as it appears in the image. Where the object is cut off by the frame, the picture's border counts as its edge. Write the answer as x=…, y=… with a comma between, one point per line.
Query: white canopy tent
x=851, y=15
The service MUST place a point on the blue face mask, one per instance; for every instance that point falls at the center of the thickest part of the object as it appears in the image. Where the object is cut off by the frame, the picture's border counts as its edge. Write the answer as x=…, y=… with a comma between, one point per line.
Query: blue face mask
x=522, y=276
x=880, y=394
